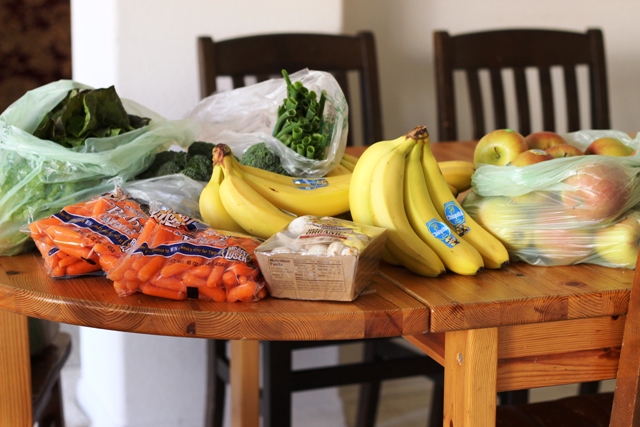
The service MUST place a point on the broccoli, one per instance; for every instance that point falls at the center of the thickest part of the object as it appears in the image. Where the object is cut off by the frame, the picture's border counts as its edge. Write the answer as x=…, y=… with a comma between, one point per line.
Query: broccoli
x=262, y=157
x=200, y=147
x=199, y=167
x=195, y=166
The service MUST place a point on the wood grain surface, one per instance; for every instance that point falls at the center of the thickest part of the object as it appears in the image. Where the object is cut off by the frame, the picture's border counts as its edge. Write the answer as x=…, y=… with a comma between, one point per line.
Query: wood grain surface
x=382, y=310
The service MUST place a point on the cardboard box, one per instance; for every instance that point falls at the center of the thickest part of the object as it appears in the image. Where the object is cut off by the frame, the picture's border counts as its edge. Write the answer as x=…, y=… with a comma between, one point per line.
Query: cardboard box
x=308, y=276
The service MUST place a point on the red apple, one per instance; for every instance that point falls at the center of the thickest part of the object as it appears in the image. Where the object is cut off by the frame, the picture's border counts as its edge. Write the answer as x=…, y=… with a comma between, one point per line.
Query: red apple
x=599, y=191
x=530, y=157
x=564, y=150
x=499, y=147
x=563, y=246
x=608, y=146
x=543, y=140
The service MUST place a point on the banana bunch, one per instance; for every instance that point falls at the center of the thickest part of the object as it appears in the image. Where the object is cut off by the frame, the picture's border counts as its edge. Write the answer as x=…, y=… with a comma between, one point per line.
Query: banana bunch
x=457, y=173
x=398, y=185
x=261, y=203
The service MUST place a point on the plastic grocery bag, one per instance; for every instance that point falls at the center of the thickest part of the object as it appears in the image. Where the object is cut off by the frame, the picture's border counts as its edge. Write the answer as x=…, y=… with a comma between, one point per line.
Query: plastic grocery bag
x=563, y=211
x=38, y=177
x=246, y=116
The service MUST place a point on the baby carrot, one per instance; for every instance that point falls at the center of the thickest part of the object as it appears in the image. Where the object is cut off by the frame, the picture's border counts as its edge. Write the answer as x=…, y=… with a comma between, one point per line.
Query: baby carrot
x=150, y=268
x=174, y=268
x=68, y=260
x=229, y=279
x=108, y=262
x=215, y=293
x=156, y=291
x=81, y=267
x=192, y=280
x=242, y=269
x=244, y=293
x=201, y=271
x=215, y=278
x=58, y=271
x=173, y=283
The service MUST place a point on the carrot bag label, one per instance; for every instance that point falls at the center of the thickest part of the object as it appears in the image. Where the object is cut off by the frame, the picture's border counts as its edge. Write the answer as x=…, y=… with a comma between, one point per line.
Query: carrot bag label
x=88, y=237
x=177, y=257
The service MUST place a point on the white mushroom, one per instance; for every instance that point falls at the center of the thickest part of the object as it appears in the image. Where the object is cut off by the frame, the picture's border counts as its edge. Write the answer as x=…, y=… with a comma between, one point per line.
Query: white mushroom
x=335, y=248
x=317, y=250
x=298, y=225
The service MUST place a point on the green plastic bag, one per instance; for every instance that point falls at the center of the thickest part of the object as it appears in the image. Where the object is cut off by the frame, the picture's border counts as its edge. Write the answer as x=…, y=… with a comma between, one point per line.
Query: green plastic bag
x=564, y=211
x=39, y=177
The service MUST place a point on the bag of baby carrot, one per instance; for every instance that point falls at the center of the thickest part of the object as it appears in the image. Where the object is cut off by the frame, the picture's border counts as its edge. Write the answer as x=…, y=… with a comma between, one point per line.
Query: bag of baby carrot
x=177, y=257
x=88, y=237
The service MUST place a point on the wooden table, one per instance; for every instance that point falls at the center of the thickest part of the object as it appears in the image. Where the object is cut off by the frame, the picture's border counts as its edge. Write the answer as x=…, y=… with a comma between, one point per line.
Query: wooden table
x=515, y=328
x=384, y=310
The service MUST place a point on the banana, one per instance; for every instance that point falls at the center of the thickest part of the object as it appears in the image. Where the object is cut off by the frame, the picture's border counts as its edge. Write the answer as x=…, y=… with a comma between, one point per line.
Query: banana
x=350, y=158
x=456, y=254
x=340, y=169
x=247, y=207
x=387, y=209
x=493, y=252
x=457, y=173
x=212, y=210
x=453, y=190
x=305, y=196
x=359, y=188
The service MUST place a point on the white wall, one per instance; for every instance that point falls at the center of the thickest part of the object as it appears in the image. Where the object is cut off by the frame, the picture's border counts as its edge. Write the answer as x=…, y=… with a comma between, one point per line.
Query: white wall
x=404, y=37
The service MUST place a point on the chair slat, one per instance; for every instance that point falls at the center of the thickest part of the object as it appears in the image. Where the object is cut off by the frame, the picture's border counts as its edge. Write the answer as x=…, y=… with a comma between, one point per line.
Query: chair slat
x=546, y=94
x=497, y=92
x=571, y=94
x=475, y=99
x=522, y=100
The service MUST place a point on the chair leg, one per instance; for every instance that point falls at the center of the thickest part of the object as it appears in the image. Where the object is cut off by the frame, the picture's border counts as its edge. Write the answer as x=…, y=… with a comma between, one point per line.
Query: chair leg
x=277, y=384
x=53, y=415
x=591, y=387
x=369, y=392
x=216, y=382
x=436, y=410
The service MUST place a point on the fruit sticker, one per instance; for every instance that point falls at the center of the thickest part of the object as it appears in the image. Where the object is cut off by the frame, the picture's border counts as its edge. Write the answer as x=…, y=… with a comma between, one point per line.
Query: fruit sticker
x=455, y=216
x=309, y=183
x=443, y=233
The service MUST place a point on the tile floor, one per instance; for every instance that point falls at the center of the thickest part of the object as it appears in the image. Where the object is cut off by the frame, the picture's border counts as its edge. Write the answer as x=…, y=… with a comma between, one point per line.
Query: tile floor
x=402, y=402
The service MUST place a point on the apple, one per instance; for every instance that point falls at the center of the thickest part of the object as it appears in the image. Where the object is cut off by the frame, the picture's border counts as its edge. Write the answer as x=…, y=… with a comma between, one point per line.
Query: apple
x=617, y=244
x=608, y=146
x=563, y=246
x=564, y=150
x=599, y=191
x=499, y=216
x=543, y=140
x=499, y=147
x=530, y=157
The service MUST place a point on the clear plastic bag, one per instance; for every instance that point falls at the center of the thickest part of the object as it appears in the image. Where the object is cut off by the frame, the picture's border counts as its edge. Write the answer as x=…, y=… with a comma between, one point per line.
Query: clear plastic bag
x=39, y=177
x=246, y=116
x=566, y=210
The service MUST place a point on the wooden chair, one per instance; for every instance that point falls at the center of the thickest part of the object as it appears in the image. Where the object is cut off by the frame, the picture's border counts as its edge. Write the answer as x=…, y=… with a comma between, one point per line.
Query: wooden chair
x=264, y=56
x=519, y=50
x=618, y=409
x=46, y=389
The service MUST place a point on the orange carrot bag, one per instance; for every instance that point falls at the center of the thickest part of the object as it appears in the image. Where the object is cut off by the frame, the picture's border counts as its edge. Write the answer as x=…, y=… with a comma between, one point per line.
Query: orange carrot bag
x=177, y=257
x=88, y=237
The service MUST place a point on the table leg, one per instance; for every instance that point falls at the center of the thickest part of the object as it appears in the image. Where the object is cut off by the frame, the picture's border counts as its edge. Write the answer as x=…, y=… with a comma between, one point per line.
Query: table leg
x=245, y=383
x=15, y=371
x=471, y=360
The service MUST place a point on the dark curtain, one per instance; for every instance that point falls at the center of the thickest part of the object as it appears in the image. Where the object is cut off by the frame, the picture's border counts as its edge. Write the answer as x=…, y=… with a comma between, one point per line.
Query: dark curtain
x=35, y=45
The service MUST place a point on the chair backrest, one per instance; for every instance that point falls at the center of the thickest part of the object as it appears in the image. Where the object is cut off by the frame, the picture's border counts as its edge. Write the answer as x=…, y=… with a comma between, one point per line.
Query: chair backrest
x=265, y=56
x=520, y=50
x=626, y=402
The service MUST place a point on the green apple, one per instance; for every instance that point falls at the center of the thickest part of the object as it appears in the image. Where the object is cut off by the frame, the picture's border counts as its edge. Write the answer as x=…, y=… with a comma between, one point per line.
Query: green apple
x=617, y=244
x=502, y=218
x=564, y=150
x=543, y=140
x=499, y=147
x=608, y=146
x=530, y=157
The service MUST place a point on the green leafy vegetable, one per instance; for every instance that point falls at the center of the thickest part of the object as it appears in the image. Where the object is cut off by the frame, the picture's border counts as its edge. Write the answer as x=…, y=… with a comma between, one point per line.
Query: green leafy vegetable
x=87, y=113
x=299, y=120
